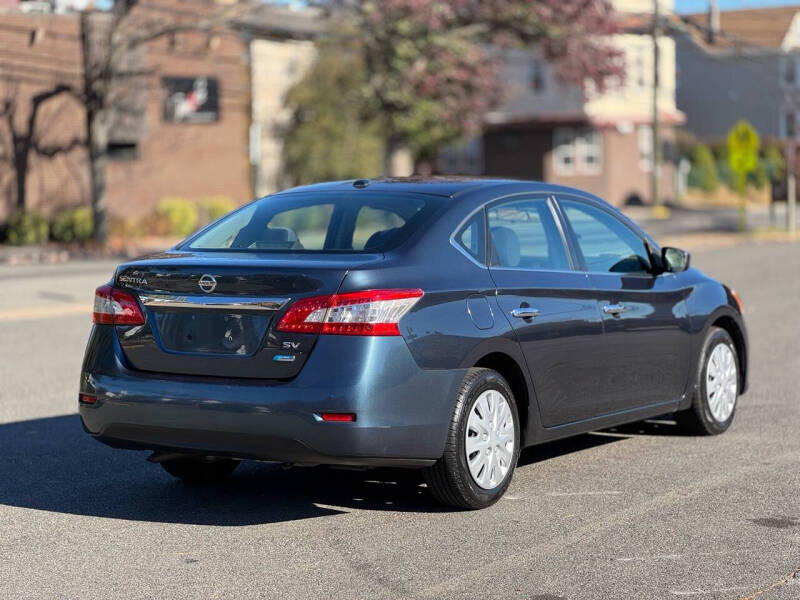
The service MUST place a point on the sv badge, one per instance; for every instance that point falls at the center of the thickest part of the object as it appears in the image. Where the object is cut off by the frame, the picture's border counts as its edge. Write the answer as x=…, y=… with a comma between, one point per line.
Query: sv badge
x=291, y=345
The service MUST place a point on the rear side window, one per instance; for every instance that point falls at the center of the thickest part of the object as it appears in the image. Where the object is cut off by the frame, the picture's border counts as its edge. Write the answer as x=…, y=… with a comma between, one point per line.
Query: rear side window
x=524, y=235
x=470, y=237
x=322, y=222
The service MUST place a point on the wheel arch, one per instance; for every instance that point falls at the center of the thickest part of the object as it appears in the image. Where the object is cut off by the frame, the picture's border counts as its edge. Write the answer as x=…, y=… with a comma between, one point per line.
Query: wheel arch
x=514, y=374
x=729, y=324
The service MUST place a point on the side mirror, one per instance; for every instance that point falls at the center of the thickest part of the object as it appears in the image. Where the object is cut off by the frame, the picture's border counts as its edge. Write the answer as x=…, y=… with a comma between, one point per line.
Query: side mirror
x=675, y=260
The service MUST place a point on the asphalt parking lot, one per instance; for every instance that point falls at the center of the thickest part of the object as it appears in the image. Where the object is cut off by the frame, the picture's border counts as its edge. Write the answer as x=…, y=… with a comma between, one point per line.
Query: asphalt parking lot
x=638, y=512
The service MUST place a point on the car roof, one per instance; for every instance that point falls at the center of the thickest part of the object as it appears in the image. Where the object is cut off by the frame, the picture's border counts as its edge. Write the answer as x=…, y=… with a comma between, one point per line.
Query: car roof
x=453, y=186
x=449, y=186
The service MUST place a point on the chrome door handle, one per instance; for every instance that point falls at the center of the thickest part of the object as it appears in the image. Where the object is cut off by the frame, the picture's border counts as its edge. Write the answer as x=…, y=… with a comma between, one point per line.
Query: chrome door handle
x=525, y=313
x=614, y=309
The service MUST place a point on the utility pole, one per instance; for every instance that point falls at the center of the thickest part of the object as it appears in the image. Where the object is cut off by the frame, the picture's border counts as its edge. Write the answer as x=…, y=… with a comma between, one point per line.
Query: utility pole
x=656, y=151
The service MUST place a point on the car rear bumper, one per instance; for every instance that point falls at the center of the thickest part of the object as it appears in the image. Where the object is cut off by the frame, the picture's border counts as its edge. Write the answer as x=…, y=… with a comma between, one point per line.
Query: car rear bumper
x=402, y=411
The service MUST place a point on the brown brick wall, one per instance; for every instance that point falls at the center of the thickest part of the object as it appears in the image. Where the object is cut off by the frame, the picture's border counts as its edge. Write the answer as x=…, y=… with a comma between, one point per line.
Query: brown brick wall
x=38, y=52
x=174, y=159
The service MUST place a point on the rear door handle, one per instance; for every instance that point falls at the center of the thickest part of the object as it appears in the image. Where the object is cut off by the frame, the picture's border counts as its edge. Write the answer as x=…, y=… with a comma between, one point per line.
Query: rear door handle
x=614, y=309
x=525, y=312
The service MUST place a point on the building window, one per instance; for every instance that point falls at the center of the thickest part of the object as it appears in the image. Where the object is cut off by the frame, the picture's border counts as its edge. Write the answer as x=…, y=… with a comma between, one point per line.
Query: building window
x=463, y=159
x=564, y=150
x=789, y=71
x=789, y=125
x=637, y=74
x=123, y=151
x=577, y=151
x=537, y=76
x=645, y=141
x=590, y=150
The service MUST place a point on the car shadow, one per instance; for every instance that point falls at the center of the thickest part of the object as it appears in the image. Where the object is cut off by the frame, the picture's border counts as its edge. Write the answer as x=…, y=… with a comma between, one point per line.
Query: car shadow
x=570, y=445
x=51, y=464
x=663, y=426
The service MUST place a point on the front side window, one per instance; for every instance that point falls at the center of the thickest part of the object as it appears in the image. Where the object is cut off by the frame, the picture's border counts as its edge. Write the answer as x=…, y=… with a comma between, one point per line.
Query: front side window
x=524, y=235
x=322, y=222
x=607, y=244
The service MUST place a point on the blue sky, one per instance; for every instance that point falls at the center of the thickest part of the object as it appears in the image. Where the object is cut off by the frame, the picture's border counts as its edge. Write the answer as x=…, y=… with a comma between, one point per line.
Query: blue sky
x=702, y=5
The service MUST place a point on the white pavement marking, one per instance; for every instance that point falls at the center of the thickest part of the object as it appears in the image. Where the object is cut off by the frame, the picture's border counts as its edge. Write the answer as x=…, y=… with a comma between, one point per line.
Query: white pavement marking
x=701, y=592
x=599, y=493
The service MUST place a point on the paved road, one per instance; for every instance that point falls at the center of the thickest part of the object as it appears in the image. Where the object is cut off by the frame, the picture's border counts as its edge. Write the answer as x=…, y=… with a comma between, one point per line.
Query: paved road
x=641, y=512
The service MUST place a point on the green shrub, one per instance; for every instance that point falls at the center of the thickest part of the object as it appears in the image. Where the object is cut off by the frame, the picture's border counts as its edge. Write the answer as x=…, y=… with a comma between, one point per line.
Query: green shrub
x=774, y=164
x=27, y=228
x=73, y=225
x=218, y=206
x=704, y=173
x=725, y=174
x=759, y=178
x=178, y=216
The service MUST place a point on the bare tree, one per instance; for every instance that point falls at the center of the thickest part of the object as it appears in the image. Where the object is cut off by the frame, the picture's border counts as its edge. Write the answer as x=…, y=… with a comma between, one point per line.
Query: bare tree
x=108, y=41
x=24, y=136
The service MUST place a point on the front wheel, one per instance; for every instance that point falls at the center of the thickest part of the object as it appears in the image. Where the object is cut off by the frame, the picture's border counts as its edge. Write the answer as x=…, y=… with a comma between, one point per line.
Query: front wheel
x=200, y=469
x=717, y=388
x=483, y=444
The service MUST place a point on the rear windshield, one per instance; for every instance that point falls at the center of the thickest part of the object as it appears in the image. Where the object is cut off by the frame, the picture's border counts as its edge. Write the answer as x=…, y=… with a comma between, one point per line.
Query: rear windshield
x=323, y=222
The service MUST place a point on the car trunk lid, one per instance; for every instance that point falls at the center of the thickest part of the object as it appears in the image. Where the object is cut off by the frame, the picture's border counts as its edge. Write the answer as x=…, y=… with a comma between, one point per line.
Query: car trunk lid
x=216, y=316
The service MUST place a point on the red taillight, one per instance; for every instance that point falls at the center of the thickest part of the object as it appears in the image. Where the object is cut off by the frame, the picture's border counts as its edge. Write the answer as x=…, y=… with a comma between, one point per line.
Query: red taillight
x=306, y=315
x=87, y=399
x=339, y=417
x=372, y=312
x=115, y=307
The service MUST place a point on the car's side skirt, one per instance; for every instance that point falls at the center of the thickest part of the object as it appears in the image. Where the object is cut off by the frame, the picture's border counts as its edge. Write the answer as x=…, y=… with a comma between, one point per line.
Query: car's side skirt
x=548, y=434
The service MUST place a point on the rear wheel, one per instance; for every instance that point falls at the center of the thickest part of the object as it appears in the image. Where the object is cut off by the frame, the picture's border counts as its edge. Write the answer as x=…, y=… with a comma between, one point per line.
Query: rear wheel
x=717, y=389
x=483, y=444
x=200, y=469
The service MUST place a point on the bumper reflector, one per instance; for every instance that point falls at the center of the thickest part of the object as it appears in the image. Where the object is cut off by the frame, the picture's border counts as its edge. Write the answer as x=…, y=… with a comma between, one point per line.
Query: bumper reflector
x=87, y=399
x=339, y=417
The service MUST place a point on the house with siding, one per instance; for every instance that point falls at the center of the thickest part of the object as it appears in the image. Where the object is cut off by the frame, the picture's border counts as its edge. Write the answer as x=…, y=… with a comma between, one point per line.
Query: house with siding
x=740, y=64
x=601, y=142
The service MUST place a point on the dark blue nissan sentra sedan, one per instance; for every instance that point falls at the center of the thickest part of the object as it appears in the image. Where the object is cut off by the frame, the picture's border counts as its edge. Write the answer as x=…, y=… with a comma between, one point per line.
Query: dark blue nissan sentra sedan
x=435, y=323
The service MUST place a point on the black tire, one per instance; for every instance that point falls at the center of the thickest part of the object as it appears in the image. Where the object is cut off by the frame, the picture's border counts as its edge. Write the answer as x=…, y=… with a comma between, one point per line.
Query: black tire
x=449, y=479
x=199, y=469
x=698, y=419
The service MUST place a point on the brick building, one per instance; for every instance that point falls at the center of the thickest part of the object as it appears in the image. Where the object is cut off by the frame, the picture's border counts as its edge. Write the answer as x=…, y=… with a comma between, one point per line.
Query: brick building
x=183, y=133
